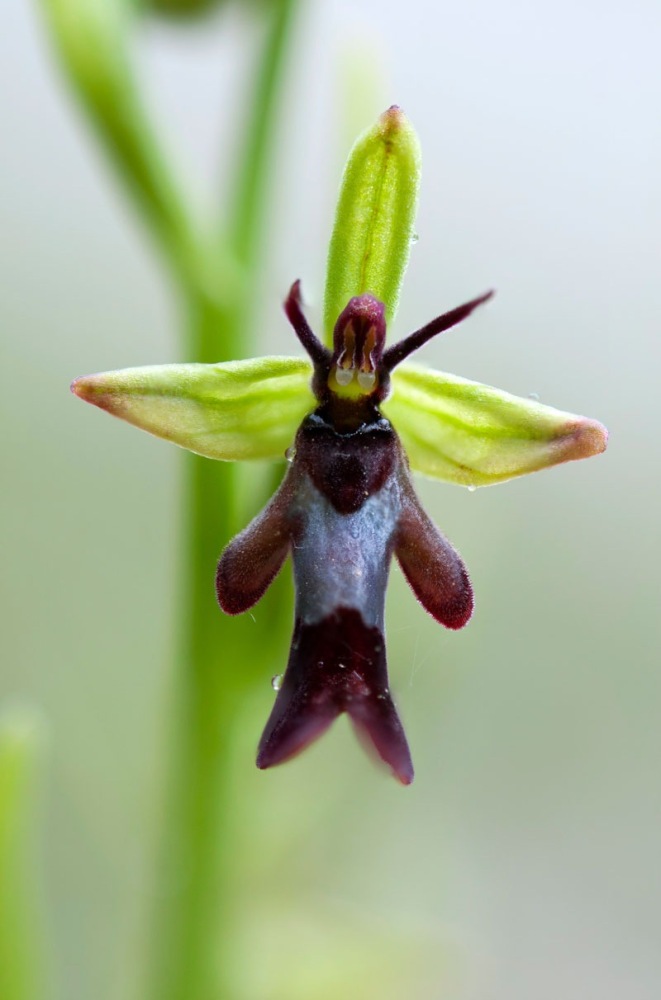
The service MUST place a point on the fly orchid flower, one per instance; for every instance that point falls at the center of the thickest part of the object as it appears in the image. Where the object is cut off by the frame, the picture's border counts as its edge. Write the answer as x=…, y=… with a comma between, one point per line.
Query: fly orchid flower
x=360, y=420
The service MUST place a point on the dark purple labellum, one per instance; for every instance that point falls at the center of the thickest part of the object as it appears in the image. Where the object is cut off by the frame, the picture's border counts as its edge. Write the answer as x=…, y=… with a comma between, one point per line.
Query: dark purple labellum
x=346, y=505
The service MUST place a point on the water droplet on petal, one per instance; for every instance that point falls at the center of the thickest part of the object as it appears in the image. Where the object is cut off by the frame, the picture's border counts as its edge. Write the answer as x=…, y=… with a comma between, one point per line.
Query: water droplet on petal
x=276, y=682
x=290, y=454
x=414, y=238
x=471, y=489
x=534, y=395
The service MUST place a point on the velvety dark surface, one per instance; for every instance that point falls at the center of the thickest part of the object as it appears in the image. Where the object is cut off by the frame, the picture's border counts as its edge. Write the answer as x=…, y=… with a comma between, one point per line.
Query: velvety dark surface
x=337, y=665
x=347, y=468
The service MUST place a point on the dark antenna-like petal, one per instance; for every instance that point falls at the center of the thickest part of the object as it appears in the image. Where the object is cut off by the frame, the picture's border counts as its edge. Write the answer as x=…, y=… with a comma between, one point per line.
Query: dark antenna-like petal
x=319, y=354
x=396, y=354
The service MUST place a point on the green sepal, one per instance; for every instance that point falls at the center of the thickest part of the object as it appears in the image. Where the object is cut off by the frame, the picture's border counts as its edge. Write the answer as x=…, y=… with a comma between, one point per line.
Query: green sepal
x=373, y=231
x=235, y=410
x=474, y=435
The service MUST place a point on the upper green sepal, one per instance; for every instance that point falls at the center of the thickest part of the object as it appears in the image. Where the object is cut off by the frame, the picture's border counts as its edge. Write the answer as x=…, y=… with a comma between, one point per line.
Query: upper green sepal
x=374, y=221
x=474, y=435
x=235, y=410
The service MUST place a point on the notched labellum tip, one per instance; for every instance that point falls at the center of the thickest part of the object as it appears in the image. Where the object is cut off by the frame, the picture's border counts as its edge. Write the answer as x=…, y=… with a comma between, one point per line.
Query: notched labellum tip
x=336, y=665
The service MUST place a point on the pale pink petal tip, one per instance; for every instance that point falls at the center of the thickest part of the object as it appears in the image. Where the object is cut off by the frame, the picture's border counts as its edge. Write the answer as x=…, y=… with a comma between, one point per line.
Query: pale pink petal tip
x=589, y=438
x=94, y=389
x=85, y=387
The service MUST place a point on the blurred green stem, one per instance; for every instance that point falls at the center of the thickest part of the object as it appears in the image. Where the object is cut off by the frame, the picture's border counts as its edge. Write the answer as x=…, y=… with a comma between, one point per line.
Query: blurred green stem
x=255, y=164
x=218, y=657
x=21, y=946
x=95, y=43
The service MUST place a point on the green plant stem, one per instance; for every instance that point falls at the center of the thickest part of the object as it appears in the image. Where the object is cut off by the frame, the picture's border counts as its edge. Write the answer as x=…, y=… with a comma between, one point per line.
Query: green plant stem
x=21, y=944
x=219, y=657
x=194, y=906
x=255, y=164
x=94, y=41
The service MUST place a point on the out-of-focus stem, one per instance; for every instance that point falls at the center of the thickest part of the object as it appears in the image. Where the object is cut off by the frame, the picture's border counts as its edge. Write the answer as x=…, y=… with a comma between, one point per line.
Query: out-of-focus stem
x=94, y=42
x=251, y=182
x=21, y=944
x=219, y=657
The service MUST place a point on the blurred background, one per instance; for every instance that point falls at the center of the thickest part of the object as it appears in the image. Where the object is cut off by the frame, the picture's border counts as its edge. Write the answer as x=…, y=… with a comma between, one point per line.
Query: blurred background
x=524, y=860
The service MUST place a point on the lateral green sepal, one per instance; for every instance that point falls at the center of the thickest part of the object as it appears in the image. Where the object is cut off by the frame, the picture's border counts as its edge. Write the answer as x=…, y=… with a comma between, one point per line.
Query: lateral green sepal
x=474, y=435
x=235, y=410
